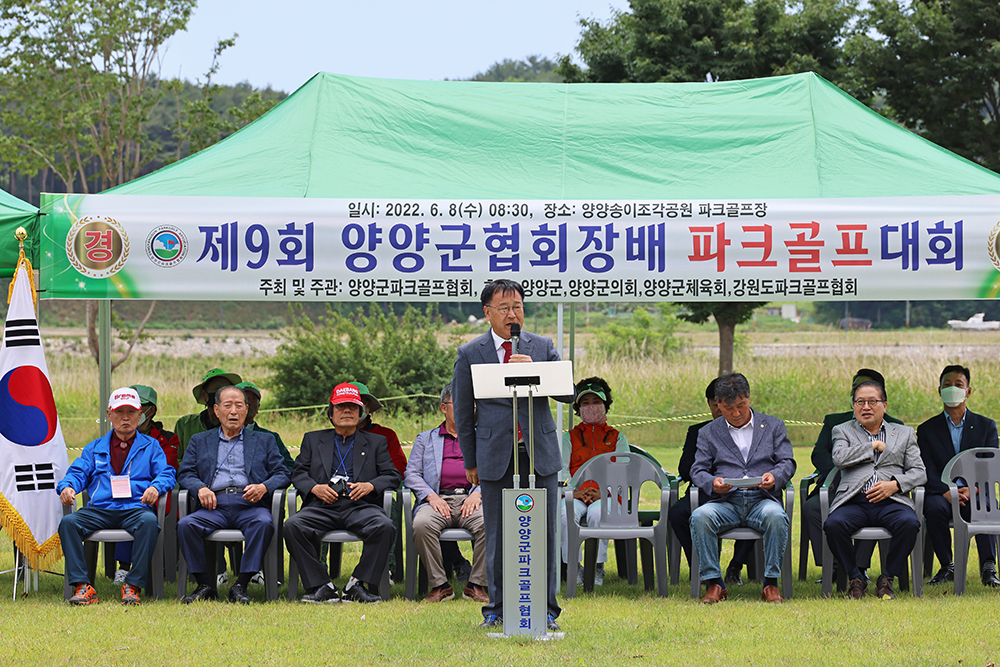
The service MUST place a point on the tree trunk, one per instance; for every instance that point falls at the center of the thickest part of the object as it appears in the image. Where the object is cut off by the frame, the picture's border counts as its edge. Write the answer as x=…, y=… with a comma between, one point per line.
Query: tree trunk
x=93, y=336
x=727, y=334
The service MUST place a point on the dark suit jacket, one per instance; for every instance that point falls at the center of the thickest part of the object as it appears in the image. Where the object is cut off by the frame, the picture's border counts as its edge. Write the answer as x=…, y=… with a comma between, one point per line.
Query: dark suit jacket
x=263, y=463
x=487, y=437
x=718, y=455
x=690, y=449
x=372, y=464
x=934, y=439
x=822, y=454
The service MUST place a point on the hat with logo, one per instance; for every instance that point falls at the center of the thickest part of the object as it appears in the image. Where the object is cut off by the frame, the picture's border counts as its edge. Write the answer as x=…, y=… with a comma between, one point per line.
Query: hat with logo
x=231, y=378
x=345, y=392
x=368, y=397
x=122, y=397
x=146, y=394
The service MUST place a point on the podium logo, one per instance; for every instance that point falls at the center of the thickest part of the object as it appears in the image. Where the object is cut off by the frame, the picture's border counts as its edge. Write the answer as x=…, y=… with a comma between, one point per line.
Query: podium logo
x=524, y=503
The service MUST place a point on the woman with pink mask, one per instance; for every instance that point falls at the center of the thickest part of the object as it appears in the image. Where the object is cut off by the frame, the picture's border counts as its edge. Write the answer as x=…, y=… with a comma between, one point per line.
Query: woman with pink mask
x=590, y=437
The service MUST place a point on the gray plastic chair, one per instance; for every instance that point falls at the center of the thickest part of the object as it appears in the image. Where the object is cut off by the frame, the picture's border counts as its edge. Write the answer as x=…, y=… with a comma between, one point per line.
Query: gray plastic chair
x=335, y=538
x=743, y=533
x=154, y=583
x=271, y=558
x=620, y=475
x=980, y=467
x=874, y=533
x=416, y=574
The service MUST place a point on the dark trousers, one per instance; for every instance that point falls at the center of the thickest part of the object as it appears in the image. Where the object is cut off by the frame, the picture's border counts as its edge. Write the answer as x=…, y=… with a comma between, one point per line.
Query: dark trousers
x=680, y=522
x=857, y=513
x=863, y=549
x=232, y=511
x=937, y=513
x=492, y=491
x=304, y=531
x=140, y=522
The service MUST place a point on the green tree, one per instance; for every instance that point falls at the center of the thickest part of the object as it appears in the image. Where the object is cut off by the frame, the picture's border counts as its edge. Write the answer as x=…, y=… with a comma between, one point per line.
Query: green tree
x=936, y=67
x=533, y=69
x=727, y=316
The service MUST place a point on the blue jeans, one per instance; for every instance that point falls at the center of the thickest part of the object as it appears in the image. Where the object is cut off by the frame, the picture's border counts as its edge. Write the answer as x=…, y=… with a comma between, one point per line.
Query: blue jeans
x=748, y=508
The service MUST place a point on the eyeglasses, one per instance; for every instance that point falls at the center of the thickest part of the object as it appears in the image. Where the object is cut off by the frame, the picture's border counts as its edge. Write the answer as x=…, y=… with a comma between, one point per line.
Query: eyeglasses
x=503, y=310
x=861, y=402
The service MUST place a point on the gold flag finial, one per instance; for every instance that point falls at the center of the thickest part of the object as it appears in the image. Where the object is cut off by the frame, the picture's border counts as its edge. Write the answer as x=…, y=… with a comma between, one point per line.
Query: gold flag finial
x=21, y=234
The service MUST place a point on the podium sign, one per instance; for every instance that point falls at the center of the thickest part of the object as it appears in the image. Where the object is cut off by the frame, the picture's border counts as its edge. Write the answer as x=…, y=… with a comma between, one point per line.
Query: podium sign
x=525, y=561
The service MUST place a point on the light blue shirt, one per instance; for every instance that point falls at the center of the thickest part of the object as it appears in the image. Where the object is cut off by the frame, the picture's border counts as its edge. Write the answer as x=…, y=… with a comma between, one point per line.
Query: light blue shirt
x=230, y=467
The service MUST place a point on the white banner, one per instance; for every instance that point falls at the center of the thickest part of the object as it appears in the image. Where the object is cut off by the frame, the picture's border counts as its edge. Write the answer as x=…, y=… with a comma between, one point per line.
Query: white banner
x=196, y=248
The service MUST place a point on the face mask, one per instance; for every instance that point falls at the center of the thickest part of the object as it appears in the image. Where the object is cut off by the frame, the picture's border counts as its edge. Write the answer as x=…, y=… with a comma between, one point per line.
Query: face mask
x=952, y=396
x=593, y=414
x=142, y=419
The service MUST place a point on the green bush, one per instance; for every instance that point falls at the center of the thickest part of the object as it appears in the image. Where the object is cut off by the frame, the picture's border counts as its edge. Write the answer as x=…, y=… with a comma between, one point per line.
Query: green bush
x=643, y=336
x=393, y=356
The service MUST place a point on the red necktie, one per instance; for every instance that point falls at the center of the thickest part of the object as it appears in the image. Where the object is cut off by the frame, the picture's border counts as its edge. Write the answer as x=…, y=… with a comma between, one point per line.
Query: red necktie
x=506, y=358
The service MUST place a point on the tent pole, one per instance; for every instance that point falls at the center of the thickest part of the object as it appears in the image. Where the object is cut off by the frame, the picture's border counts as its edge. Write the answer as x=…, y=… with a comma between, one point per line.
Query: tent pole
x=562, y=353
x=104, y=360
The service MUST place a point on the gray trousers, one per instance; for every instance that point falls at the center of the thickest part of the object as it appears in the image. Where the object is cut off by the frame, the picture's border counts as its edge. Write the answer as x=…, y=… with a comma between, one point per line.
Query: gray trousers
x=427, y=527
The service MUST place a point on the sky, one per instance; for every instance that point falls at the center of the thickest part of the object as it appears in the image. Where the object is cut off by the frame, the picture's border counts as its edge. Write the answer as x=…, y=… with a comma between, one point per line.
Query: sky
x=284, y=44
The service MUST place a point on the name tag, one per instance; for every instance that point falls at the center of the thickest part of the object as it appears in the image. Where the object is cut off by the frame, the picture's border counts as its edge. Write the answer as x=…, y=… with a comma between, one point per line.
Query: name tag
x=121, y=486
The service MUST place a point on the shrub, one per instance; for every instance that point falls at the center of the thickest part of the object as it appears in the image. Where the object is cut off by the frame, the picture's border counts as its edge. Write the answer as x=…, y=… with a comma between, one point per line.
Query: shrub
x=393, y=356
x=643, y=336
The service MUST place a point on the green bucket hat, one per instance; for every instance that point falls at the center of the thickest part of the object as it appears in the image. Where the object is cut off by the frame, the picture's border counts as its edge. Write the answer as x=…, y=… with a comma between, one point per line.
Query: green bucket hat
x=249, y=386
x=146, y=394
x=233, y=379
x=368, y=397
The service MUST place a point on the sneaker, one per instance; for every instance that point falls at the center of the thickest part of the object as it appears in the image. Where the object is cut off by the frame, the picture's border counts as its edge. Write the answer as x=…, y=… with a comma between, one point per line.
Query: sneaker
x=358, y=593
x=883, y=588
x=120, y=576
x=441, y=593
x=130, y=594
x=258, y=578
x=550, y=623
x=476, y=593
x=491, y=621
x=222, y=579
x=599, y=575
x=325, y=593
x=84, y=594
x=734, y=575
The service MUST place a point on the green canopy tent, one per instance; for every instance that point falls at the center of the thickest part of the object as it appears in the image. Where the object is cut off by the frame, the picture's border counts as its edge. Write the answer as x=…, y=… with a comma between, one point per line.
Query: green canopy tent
x=15, y=213
x=793, y=136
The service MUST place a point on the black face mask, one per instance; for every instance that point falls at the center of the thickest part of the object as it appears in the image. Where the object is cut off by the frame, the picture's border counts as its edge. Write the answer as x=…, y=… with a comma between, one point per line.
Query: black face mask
x=210, y=401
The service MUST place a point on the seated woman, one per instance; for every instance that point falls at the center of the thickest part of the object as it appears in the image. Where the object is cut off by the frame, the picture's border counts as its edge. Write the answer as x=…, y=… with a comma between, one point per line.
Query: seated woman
x=591, y=437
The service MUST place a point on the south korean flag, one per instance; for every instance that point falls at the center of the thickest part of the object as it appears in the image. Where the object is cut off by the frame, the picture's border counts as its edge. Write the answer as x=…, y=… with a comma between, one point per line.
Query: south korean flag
x=32, y=450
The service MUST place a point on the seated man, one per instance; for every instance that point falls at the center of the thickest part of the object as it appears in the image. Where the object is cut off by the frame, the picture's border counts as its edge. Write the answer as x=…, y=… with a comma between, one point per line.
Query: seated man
x=822, y=460
x=124, y=473
x=446, y=499
x=879, y=463
x=341, y=474
x=743, y=444
x=680, y=512
x=233, y=471
x=168, y=441
x=589, y=438
x=940, y=438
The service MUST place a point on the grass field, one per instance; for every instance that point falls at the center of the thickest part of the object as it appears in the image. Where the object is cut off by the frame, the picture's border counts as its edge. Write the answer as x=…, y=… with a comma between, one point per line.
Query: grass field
x=617, y=624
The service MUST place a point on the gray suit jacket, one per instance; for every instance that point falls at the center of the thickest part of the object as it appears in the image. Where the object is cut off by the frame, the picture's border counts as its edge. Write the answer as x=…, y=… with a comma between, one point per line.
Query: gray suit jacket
x=853, y=455
x=718, y=455
x=263, y=463
x=487, y=436
x=423, y=469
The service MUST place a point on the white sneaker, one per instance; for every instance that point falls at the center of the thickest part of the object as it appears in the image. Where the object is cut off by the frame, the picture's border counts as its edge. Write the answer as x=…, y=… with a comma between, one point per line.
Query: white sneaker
x=599, y=575
x=258, y=578
x=223, y=579
x=120, y=576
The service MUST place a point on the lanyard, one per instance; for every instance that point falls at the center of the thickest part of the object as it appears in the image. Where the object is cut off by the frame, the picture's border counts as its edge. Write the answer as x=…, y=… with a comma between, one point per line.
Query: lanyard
x=343, y=458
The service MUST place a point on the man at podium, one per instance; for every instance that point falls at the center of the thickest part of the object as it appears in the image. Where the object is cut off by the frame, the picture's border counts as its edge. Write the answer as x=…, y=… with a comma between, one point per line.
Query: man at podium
x=486, y=435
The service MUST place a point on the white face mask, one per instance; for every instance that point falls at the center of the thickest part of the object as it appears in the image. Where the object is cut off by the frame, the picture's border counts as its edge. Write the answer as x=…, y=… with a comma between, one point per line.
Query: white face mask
x=952, y=396
x=593, y=414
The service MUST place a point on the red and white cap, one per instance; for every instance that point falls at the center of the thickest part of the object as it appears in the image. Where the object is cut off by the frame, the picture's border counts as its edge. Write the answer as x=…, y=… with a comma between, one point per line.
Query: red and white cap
x=124, y=396
x=345, y=392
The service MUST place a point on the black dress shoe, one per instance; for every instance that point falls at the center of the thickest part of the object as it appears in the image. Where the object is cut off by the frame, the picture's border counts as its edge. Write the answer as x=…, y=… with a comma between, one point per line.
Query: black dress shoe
x=734, y=575
x=325, y=593
x=203, y=592
x=237, y=593
x=989, y=575
x=945, y=574
x=358, y=593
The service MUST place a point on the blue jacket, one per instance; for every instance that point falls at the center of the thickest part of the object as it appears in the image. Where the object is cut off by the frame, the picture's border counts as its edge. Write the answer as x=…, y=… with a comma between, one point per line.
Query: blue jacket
x=146, y=466
x=263, y=462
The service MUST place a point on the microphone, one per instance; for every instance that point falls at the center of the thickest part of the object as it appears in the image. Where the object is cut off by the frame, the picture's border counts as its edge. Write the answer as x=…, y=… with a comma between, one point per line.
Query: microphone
x=515, y=337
